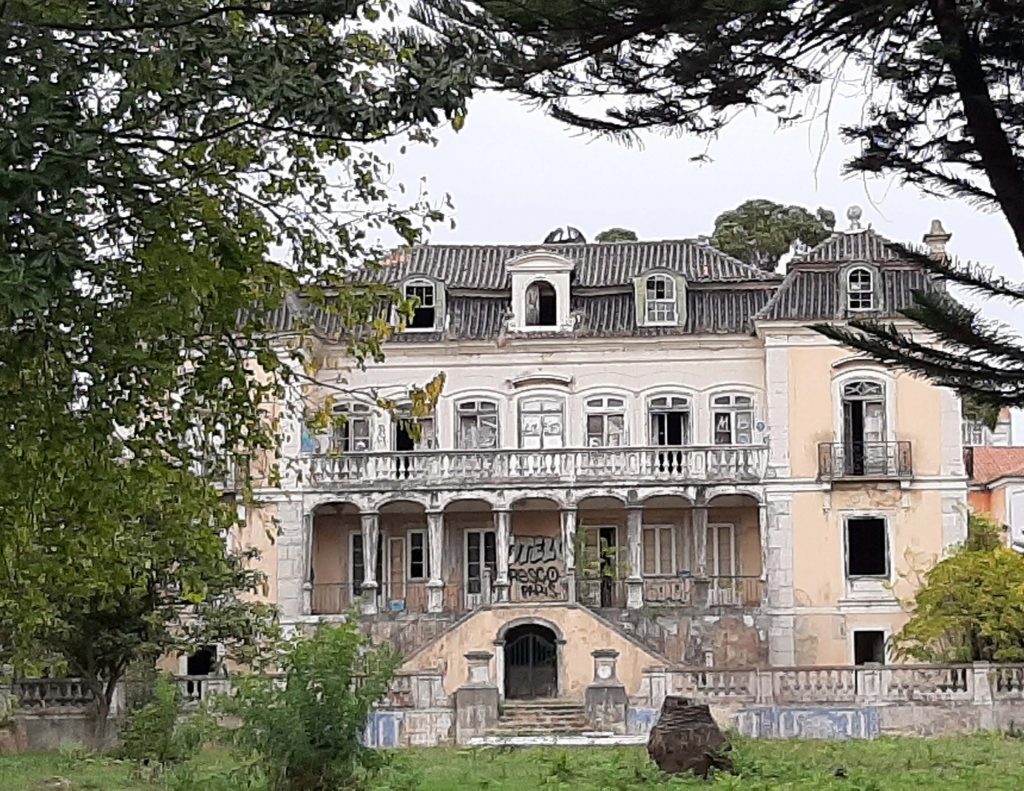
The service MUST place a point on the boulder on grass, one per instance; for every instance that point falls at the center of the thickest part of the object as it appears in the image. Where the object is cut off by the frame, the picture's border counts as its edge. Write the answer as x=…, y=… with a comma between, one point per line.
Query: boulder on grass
x=687, y=739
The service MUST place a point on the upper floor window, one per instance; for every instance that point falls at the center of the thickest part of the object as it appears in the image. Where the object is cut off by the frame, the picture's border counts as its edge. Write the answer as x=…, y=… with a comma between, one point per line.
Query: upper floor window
x=975, y=433
x=424, y=293
x=541, y=423
x=860, y=289
x=477, y=422
x=661, y=299
x=606, y=422
x=351, y=429
x=670, y=420
x=732, y=418
x=541, y=305
x=413, y=433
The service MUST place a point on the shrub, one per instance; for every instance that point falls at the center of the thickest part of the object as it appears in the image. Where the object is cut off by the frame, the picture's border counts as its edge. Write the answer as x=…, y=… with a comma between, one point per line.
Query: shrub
x=153, y=735
x=304, y=730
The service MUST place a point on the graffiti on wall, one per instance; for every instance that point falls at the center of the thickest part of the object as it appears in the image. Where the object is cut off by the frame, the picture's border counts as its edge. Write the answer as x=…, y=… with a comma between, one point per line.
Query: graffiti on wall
x=536, y=566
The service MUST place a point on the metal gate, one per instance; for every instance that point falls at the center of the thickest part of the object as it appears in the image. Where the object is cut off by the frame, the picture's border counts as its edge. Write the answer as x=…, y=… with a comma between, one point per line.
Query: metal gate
x=531, y=663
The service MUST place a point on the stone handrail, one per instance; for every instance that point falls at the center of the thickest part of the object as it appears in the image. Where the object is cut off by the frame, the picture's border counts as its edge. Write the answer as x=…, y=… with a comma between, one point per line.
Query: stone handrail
x=703, y=464
x=978, y=682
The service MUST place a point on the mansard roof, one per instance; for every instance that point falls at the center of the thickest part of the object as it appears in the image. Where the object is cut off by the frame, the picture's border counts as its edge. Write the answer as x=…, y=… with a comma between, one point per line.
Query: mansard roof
x=813, y=288
x=600, y=264
x=723, y=295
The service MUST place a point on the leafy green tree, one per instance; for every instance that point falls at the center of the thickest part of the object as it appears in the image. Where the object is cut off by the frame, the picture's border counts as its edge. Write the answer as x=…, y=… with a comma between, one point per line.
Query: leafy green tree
x=304, y=731
x=760, y=232
x=971, y=606
x=172, y=174
x=943, y=113
x=616, y=235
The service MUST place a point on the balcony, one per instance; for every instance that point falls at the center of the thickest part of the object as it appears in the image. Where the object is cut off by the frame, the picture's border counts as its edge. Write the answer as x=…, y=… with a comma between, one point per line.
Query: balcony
x=853, y=461
x=719, y=464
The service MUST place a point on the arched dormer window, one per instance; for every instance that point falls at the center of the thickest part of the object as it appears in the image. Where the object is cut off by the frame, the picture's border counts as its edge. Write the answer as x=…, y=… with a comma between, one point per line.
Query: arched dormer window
x=860, y=289
x=661, y=299
x=427, y=309
x=541, y=305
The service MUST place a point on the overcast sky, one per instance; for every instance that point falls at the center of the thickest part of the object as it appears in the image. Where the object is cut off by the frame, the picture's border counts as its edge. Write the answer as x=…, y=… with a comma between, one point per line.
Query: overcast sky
x=516, y=174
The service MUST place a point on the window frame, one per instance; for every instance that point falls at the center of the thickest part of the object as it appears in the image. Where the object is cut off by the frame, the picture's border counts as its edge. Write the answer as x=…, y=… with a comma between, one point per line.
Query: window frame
x=522, y=411
x=599, y=406
x=424, y=551
x=887, y=548
x=539, y=283
x=732, y=409
x=341, y=434
x=690, y=409
x=859, y=292
x=477, y=413
x=436, y=303
x=670, y=299
x=673, y=564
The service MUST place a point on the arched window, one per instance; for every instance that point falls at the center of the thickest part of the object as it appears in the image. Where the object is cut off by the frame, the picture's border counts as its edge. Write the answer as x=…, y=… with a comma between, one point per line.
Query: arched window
x=351, y=428
x=477, y=422
x=661, y=300
x=860, y=289
x=606, y=422
x=732, y=419
x=424, y=315
x=670, y=420
x=541, y=305
x=541, y=423
x=864, y=427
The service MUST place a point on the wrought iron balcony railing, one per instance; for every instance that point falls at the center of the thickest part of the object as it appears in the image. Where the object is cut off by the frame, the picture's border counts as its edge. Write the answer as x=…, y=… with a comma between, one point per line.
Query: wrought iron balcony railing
x=725, y=464
x=839, y=460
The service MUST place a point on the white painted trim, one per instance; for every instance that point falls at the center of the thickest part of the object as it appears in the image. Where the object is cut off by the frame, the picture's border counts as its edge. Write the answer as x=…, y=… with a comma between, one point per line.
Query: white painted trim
x=885, y=593
x=568, y=440
x=878, y=376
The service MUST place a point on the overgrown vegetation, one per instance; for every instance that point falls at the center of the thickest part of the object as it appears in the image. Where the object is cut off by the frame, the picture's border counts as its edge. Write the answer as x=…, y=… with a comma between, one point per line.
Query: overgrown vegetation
x=965, y=763
x=304, y=730
x=971, y=605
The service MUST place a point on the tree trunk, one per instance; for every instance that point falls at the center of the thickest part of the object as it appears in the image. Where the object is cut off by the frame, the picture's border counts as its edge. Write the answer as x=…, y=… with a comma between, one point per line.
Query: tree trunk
x=997, y=156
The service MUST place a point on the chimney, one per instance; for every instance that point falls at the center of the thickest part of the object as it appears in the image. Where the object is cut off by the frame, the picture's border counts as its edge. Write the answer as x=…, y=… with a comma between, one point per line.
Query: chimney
x=936, y=239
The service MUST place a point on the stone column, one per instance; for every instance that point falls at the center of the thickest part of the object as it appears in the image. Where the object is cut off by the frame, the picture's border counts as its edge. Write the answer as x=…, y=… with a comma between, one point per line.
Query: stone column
x=699, y=521
x=292, y=571
x=606, y=701
x=779, y=582
x=569, y=551
x=307, y=562
x=476, y=701
x=634, y=539
x=435, y=549
x=502, y=547
x=370, y=524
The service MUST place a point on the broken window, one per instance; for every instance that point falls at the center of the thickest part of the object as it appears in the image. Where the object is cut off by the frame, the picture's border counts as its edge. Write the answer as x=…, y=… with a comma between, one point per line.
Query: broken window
x=540, y=423
x=541, y=305
x=352, y=428
x=606, y=422
x=869, y=646
x=733, y=419
x=418, y=563
x=860, y=289
x=478, y=424
x=661, y=300
x=866, y=550
x=670, y=421
x=424, y=316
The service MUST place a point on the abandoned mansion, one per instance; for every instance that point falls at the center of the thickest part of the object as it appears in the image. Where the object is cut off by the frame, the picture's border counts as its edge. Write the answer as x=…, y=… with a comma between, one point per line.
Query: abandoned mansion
x=641, y=447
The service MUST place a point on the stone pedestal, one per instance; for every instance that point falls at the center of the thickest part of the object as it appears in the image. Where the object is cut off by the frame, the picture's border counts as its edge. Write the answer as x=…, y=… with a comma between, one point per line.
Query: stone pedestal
x=435, y=596
x=476, y=701
x=369, y=598
x=606, y=700
x=634, y=593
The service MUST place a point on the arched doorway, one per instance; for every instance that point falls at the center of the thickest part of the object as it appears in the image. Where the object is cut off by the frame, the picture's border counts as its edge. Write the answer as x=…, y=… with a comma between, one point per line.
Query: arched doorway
x=531, y=662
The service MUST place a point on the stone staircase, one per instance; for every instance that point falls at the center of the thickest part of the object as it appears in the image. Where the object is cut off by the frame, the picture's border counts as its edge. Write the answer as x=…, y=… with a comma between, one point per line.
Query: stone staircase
x=541, y=718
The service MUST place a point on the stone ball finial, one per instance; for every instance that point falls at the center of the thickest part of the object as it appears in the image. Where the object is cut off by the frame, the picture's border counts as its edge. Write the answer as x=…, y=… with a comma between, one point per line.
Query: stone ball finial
x=853, y=214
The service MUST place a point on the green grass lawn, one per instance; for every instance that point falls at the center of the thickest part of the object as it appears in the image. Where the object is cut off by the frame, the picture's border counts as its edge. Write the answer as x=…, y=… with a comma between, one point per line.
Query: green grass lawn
x=976, y=763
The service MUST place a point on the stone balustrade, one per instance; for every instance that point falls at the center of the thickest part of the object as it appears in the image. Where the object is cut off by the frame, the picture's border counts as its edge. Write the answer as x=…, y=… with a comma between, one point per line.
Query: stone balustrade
x=876, y=684
x=718, y=464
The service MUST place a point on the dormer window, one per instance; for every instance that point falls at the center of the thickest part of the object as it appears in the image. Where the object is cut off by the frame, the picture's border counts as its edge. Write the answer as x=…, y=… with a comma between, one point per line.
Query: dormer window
x=425, y=312
x=661, y=300
x=541, y=305
x=860, y=289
